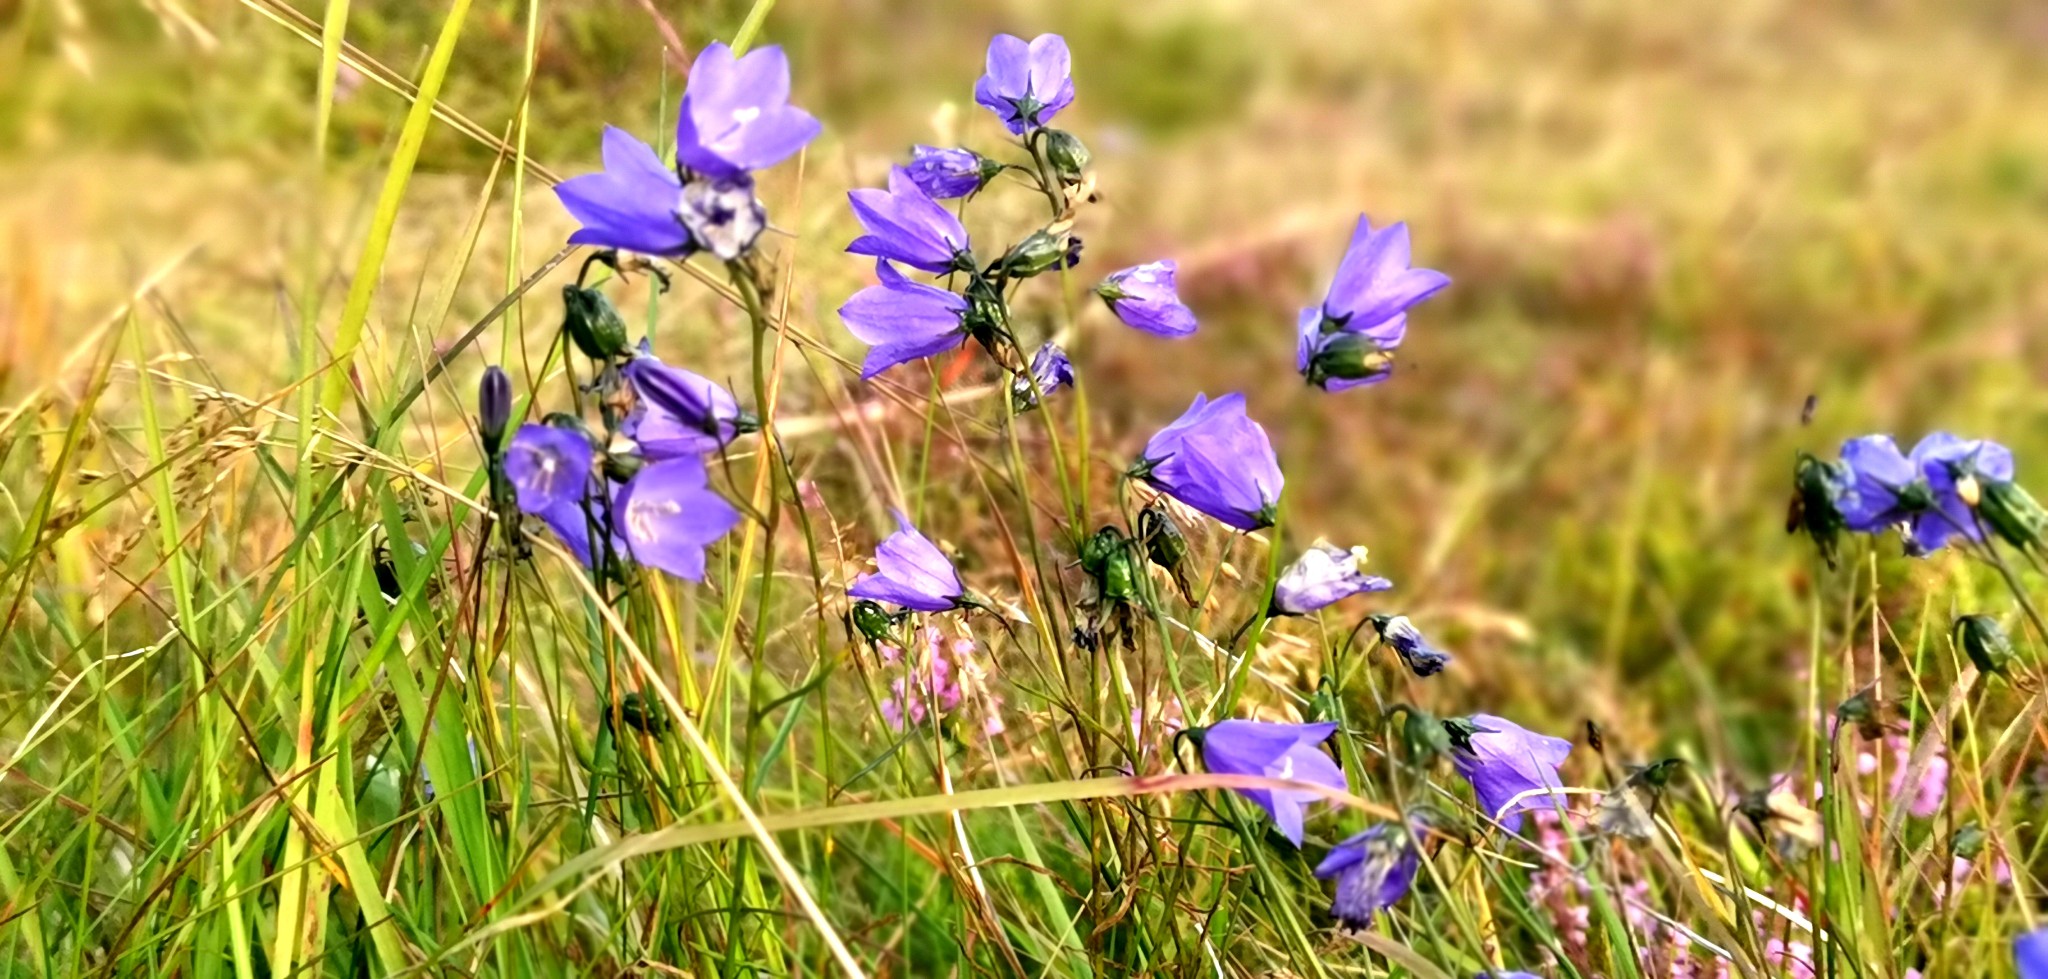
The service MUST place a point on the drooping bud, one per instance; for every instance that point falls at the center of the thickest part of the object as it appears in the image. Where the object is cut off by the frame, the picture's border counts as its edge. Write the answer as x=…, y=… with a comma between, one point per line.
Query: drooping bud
x=1985, y=642
x=2012, y=513
x=593, y=323
x=1425, y=735
x=1817, y=488
x=1068, y=156
x=493, y=408
x=1349, y=357
x=1041, y=251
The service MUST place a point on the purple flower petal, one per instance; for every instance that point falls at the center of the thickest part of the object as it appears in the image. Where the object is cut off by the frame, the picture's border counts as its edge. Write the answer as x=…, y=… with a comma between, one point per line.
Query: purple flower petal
x=905, y=225
x=1145, y=297
x=631, y=204
x=903, y=320
x=679, y=413
x=1281, y=751
x=1026, y=84
x=1374, y=282
x=911, y=572
x=2030, y=954
x=1218, y=461
x=668, y=514
x=1507, y=760
x=547, y=467
x=736, y=115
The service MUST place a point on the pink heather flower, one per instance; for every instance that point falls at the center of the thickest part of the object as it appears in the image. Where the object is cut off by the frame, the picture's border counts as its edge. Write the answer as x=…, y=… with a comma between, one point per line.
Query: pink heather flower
x=932, y=683
x=1796, y=958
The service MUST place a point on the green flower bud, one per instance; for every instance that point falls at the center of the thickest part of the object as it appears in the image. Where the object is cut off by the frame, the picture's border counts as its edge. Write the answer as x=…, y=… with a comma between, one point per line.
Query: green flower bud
x=593, y=323
x=1985, y=642
x=1068, y=156
x=1041, y=252
x=2012, y=514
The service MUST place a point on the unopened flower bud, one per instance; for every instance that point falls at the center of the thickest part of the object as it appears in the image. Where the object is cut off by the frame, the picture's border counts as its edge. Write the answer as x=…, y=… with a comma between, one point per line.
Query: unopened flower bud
x=2012, y=513
x=1068, y=156
x=493, y=408
x=1041, y=252
x=1985, y=642
x=593, y=323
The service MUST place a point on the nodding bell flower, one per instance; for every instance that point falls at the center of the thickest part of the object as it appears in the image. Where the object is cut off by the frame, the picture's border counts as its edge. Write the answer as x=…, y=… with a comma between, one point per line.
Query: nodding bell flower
x=1274, y=750
x=668, y=514
x=1050, y=371
x=1502, y=760
x=1374, y=870
x=904, y=224
x=1218, y=461
x=1026, y=84
x=1369, y=298
x=1324, y=575
x=911, y=572
x=493, y=408
x=680, y=412
x=593, y=323
x=547, y=466
x=1985, y=642
x=1146, y=297
x=944, y=174
x=903, y=320
x=639, y=204
x=1406, y=641
x=1817, y=489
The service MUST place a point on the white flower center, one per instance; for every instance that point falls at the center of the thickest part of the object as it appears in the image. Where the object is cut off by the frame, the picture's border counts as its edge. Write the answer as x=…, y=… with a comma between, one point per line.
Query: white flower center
x=642, y=514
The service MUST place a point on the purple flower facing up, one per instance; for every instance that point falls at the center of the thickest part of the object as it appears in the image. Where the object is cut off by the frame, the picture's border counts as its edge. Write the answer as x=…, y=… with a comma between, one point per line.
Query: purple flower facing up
x=548, y=466
x=903, y=320
x=640, y=205
x=2030, y=954
x=1888, y=488
x=905, y=225
x=1374, y=871
x=946, y=173
x=1398, y=633
x=1218, y=461
x=1145, y=297
x=1503, y=760
x=679, y=412
x=668, y=514
x=1349, y=340
x=1026, y=84
x=736, y=115
x=1050, y=371
x=1324, y=575
x=912, y=572
x=1283, y=751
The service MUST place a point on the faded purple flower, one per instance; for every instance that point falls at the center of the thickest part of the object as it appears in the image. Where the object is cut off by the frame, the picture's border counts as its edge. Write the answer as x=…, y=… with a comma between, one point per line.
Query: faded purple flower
x=548, y=466
x=1374, y=870
x=903, y=320
x=2030, y=954
x=1273, y=750
x=1218, y=461
x=668, y=514
x=1026, y=84
x=679, y=412
x=1050, y=371
x=1349, y=340
x=1421, y=658
x=1505, y=760
x=912, y=572
x=1324, y=575
x=946, y=173
x=1145, y=297
x=905, y=225
x=736, y=115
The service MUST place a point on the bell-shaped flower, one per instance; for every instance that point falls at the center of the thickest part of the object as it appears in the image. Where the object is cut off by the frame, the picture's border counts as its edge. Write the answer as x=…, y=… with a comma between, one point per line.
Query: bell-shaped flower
x=668, y=514
x=680, y=412
x=944, y=173
x=1217, y=460
x=904, y=224
x=1502, y=760
x=1026, y=84
x=1374, y=871
x=903, y=320
x=1145, y=297
x=1324, y=575
x=1416, y=653
x=912, y=572
x=1273, y=750
x=735, y=115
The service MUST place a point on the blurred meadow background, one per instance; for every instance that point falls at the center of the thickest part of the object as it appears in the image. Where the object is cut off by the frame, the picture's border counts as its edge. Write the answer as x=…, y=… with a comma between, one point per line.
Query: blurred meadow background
x=1667, y=225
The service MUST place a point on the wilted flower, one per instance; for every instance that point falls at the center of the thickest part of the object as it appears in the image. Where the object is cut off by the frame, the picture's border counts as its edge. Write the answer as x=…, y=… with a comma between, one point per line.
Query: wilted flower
x=736, y=115
x=680, y=412
x=903, y=320
x=1145, y=297
x=2030, y=954
x=1050, y=371
x=722, y=214
x=952, y=172
x=547, y=466
x=905, y=225
x=1273, y=750
x=1026, y=84
x=1397, y=632
x=493, y=408
x=668, y=514
x=1369, y=298
x=1374, y=870
x=911, y=572
x=1324, y=575
x=1218, y=461
x=1503, y=760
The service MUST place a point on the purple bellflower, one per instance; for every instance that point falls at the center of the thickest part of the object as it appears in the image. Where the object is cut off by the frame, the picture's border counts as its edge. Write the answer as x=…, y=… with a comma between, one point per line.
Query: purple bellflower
x=1218, y=461
x=548, y=466
x=1274, y=750
x=1050, y=371
x=1421, y=658
x=1503, y=760
x=903, y=320
x=1374, y=870
x=640, y=205
x=736, y=117
x=668, y=514
x=679, y=412
x=573, y=519
x=2030, y=954
x=905, y=225
x=1324, y=575
x=1956, y=470
x=946, y=173
x=1349, y=340
x=1888, y=488
x=1026, y=84
x=1145, y=297
x=912, y=572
